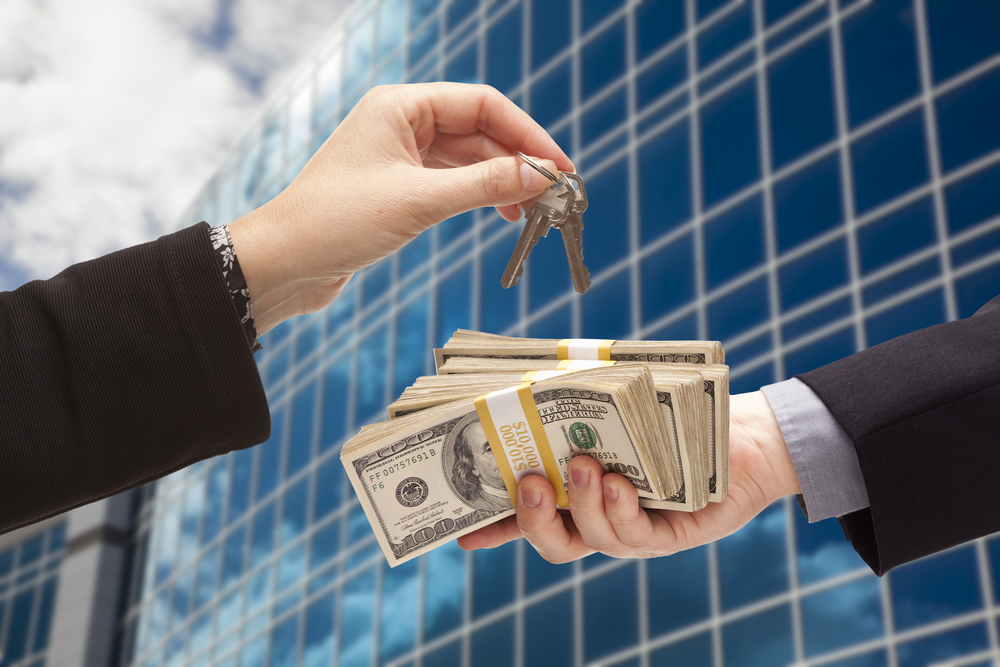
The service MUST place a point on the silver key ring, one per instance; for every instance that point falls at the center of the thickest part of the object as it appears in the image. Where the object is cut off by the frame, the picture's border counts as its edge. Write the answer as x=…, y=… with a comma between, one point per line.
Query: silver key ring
x=537, y=167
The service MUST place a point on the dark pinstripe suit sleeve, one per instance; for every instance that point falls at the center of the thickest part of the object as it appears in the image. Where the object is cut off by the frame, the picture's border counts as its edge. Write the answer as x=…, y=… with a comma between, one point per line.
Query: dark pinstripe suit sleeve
x=923, y=411
x=118, y=371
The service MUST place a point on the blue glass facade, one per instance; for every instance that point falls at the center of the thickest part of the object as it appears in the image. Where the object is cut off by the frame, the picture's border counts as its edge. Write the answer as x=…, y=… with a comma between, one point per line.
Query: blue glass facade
x=29, y=580
x=798, y=179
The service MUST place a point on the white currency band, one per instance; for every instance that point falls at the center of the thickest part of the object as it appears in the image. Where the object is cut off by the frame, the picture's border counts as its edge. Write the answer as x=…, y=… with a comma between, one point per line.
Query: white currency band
x=505, y=408
x=584, y=349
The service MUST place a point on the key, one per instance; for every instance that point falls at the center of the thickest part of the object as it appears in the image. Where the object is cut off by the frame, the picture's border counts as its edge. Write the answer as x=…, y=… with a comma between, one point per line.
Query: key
x=571, y=229
x=550, y=207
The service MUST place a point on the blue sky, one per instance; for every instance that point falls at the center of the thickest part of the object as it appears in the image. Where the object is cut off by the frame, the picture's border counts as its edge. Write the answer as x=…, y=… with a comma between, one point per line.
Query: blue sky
x=115, y=113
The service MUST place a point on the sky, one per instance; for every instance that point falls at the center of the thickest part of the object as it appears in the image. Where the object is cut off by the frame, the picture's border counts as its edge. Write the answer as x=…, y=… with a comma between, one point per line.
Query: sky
x=115, y=113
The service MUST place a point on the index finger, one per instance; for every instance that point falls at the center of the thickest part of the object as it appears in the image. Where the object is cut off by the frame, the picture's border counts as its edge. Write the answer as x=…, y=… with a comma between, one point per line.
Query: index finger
x=461, y=108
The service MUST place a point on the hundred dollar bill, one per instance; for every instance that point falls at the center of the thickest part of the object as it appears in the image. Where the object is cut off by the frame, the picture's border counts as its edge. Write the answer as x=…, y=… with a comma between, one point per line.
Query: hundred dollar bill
x=433, y=476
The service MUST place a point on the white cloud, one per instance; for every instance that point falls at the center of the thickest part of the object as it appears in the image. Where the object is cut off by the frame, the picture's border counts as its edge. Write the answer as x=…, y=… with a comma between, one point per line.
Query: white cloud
x=114, y=113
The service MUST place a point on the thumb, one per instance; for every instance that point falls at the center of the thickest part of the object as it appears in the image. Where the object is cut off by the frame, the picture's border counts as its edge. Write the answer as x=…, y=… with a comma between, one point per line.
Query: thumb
x=496, y=182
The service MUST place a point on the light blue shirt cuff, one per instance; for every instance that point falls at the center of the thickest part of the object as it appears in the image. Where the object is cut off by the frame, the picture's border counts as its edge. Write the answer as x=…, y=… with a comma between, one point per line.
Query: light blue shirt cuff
x=823, y=454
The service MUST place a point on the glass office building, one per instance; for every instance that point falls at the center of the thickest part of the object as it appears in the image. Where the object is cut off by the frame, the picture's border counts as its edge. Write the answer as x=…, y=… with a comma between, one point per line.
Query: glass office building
x=29, y=579
x=798, y=179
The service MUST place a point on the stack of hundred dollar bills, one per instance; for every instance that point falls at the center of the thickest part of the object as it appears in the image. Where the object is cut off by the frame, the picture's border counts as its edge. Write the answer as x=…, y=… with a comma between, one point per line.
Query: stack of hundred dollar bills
x=449, y=458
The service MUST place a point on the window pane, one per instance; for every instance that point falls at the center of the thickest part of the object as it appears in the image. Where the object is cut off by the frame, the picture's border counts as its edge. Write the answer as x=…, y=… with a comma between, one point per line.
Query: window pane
x=398, y=626
x=678, y=590
x=301, y=437
x=324, y=545
x=498, y=306
x=548, y=632
x=807, y=203
x=550, y=23
x=967, y=117
x=610, y=610
x=208, y=568
x=329, y=484
x=233, y=556
x=607, y=308
x=336, y=393
x=656, y=23
x=734, y=242
x=961, y=34
x=356, y=621
x=739, y=311
x=44, y=620
x=665, y=182
x=933, y=589
x=668, y=279
x=889, y=161
x=845, y=615
x=444, y=591
x=604, y=244
x=503, y=51
x=293, y=511
x=693, y=652
x=762, y=640
x=493, y=646
x=493, y=578
x=919, y=313
x=262, y=540
x=372, y=361
x=724, y=35
x=752, y=562
x=880, y=58
x=319, y=637
x=729, y=143
x=602, y=60
x=801, y=101
x=411, y=356
x=269, y=459
x=454, y=304
x=897, y=235
x=284, y=644
x=813, y=274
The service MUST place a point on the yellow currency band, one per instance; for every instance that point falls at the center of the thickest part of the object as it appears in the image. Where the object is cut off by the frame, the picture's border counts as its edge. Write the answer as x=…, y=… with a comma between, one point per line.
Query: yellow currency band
x=603, y=348
x=530, y=409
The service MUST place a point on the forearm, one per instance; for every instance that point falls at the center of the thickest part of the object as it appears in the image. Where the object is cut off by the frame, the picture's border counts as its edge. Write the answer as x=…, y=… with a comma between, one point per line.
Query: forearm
x=118, y=371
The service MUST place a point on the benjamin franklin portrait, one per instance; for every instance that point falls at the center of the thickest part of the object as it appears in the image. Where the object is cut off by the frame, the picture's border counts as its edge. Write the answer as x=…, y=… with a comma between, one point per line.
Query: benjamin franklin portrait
x=472, y=470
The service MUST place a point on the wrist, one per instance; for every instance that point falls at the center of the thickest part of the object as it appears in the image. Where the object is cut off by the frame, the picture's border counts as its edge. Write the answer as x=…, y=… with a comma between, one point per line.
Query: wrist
x=278, y=281
x=752, y=413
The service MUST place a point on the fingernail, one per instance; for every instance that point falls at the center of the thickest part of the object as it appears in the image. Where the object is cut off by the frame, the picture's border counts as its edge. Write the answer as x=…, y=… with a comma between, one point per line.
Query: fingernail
x=530, y=497
x=581, y=478
x=532, y=180
x=610, y=492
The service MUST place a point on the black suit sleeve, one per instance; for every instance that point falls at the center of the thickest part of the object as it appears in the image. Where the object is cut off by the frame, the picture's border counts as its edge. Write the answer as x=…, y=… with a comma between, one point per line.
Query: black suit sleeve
x=118, y=371
x=922, y=410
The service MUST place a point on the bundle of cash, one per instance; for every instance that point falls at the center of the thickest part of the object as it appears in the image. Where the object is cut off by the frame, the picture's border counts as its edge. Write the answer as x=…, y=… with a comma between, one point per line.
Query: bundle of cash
x=436, y=474
x=466, y=343
x=693, y=397
x=448, y=460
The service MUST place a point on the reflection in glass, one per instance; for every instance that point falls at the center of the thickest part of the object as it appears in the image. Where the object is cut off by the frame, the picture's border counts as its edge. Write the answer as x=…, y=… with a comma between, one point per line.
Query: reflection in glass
x=398, y=625
x=444, y=590
x=356, y=620
x=318, y=643
x=752, y=562
x=328, y=78
x=841, y=616
x=359, y=53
